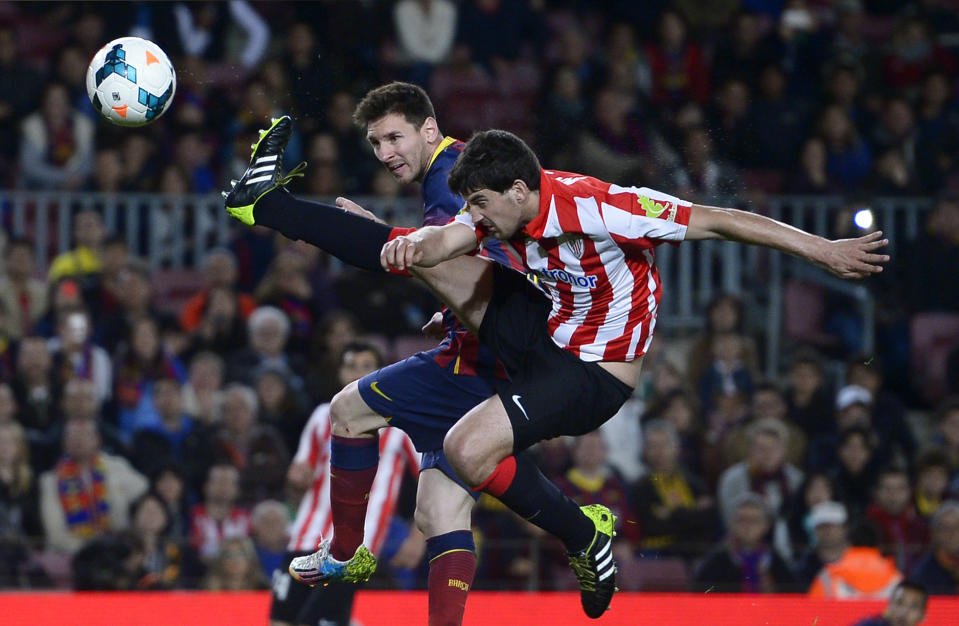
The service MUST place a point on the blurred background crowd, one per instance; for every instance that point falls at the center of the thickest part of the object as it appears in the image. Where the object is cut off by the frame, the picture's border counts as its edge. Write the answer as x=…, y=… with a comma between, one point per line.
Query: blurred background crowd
x=145, y=440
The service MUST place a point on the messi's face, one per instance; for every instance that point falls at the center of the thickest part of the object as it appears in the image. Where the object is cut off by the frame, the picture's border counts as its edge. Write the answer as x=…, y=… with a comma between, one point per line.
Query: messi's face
x=401, y=147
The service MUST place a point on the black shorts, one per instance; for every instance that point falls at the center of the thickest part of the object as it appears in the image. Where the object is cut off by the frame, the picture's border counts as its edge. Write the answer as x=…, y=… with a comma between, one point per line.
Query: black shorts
x=298, y=603
x=551, y=391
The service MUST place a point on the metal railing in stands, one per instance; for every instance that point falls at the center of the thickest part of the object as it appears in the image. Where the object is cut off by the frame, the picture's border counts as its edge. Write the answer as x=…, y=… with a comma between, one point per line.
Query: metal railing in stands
x=177, y=231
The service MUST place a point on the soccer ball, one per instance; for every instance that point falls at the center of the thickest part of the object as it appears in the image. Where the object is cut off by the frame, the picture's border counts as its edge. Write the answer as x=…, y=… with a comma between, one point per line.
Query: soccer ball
x=131, y=81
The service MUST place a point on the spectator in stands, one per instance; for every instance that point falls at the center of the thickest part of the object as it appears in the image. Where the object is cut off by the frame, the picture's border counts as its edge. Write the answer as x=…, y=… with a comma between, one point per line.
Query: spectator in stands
x=888, y=415
x=830, y=540
x=907, y=607
x=222, y=328
x=169, y=562
x=739, y=52
x=767, y=401
x=809, y=397
x=309, y=75
x=281, y=405
x=704, y=175
x=764, y=472
x=860, y=573
x=856, y=469
x=22, y=295
x=938, y=570
x=811, y=176
x=848, y=157
x=496, y=30
x=933, y=252
x=326, y=176
x=56, y=144
x=731, y=124
x=169, y=485
x=202, y=31
x=141, y=361
x=724, y=314
x=564, y=106
x=902, y=533
x=912, y=53
x=217, y=517
x=946, y=417
x=932, y=481
x=287, y=287
x=728, y=373
x=84, y=261
x=105, y=296
x=170, y=436
x=816, y=489
x=744, y=561
x=270, y=533
x=219, y=270
x=616, y=146
x=680, y=409
x=32, y=384
x=270, y=331
x=20, y=528
x=679, y=71
x=203, y=390
x=938, y=137
x=256, y=449
x=8, y=404
x=235, y=567
x=134, y=302
x=351, y=145
x=110, y=562
x=425, y=29
x=779, y=123
x=88, y=493
x=676, y=513
x=853, y=410
x=18, y=96
x=76, y=356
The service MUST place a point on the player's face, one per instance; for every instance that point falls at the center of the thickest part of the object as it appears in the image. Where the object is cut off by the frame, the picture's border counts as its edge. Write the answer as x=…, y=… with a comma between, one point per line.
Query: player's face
x=498, y=212
x=906, y=608
x=400, y=146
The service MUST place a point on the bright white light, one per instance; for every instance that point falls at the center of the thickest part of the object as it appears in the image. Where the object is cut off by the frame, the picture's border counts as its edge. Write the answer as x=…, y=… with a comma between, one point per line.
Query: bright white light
x=863, y=219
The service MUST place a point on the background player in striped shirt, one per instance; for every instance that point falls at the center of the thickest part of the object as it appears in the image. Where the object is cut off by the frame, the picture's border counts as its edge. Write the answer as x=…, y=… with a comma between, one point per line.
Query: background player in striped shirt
x=310, y=471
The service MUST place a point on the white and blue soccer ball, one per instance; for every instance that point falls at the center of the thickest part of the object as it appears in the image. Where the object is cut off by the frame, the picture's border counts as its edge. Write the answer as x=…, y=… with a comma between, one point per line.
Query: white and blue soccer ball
x=131, y=81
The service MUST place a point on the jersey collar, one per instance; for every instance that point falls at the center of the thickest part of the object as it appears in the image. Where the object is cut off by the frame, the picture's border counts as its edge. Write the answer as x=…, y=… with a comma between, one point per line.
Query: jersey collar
x=443, y=146
x=535, y=227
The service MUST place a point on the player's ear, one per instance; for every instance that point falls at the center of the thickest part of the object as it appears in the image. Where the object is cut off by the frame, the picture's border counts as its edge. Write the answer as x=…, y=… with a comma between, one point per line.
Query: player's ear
x=430, y=129
x=519, y=191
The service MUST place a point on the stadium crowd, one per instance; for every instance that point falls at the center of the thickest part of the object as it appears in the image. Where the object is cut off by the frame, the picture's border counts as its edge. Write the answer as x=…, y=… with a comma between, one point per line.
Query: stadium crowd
x=145, y=444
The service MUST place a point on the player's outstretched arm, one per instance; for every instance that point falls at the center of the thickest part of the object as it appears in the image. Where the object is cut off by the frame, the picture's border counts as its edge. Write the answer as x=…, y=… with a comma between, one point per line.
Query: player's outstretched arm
x=846, y=258
x=428, y=246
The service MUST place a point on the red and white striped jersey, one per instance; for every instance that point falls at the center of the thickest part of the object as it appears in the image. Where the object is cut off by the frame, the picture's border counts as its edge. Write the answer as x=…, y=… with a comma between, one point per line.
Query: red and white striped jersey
x=592, y=247
x=314, y=521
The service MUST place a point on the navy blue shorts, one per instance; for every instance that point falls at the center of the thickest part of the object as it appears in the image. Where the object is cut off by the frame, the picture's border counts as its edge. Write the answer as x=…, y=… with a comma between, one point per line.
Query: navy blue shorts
x=424, y=400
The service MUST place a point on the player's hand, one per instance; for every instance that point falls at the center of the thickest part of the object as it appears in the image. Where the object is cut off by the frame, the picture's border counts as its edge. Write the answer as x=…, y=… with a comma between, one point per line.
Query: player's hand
x=410, y=552
x=854, y=258
x=348, y=205
x=400, y=253
x=299, y=475
x=434, y=328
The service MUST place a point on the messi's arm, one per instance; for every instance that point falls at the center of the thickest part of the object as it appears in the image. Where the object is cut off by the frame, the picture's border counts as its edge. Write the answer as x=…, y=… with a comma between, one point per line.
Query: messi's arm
x=846, y=258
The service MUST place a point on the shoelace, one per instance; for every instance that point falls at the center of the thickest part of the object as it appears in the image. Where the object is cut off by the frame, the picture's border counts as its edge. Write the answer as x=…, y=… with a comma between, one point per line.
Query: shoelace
x=293, y=173
x=584, y=573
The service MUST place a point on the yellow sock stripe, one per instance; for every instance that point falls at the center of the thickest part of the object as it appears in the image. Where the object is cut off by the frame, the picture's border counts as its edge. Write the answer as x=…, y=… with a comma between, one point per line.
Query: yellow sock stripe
x=448, y=552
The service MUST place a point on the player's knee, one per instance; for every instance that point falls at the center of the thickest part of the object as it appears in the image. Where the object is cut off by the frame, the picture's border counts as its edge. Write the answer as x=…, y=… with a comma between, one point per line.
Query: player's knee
x=465, y=455
x=343, y=413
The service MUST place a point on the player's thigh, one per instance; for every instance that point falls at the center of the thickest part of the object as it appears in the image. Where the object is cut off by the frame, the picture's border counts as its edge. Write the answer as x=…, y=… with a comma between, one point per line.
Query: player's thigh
x=351, y=416
x=464, y=284
x=442, y=505
x=480, y=440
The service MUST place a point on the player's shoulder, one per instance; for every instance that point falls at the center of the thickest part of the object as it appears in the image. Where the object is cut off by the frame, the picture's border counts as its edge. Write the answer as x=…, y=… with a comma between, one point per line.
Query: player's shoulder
x=571, y=183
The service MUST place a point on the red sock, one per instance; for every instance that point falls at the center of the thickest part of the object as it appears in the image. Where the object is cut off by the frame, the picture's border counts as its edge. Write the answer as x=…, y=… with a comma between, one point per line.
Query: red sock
x=451, y=576
x=353, y=463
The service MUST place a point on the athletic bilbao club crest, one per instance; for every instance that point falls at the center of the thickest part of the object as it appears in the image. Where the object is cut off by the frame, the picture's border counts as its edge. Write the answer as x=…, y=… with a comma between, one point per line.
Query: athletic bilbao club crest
x=573, y=243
